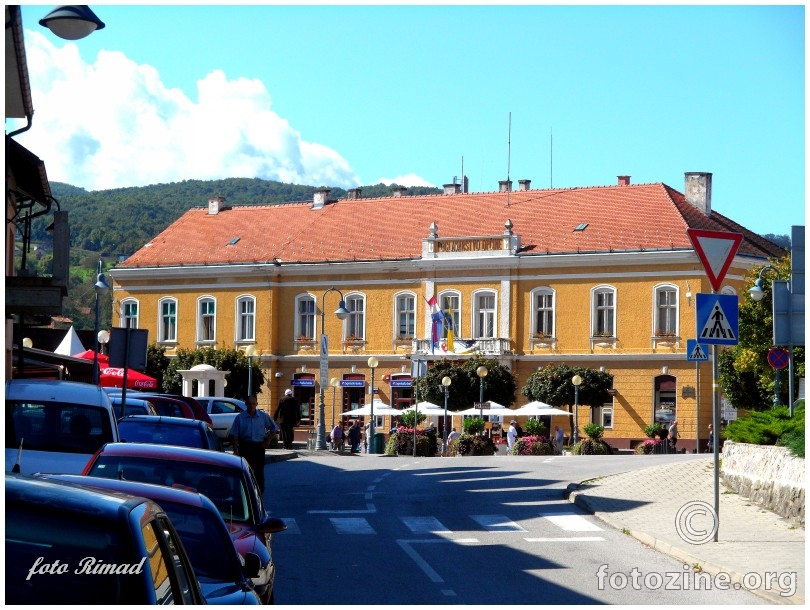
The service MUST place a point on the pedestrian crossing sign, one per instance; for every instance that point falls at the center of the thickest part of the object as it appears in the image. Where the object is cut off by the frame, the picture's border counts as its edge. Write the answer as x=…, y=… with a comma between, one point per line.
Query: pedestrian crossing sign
x=717, y=319
x=695, y=351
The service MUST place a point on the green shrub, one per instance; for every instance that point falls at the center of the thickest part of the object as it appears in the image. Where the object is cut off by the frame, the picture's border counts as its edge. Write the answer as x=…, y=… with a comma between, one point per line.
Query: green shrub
x=401, y=443
x=764, y=427
x=591, y=447
x=470, y=444
x=473, y=425
x=794, y=441
x=532, y=445
x=594, y=431
x=534, y=427
x=653, y=430
x=406, y=418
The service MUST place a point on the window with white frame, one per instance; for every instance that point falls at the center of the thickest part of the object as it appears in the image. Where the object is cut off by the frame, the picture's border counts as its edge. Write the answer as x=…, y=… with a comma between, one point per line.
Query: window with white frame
x=405, y=316
x=167, y=328
x=246, y=318
x=206, y=319
x=450, y=302
x=356, y=320
x=666, y=311
x=305, y=317
x=484, y=315
x=604, y=311
x=543, y=312
x=129, y=313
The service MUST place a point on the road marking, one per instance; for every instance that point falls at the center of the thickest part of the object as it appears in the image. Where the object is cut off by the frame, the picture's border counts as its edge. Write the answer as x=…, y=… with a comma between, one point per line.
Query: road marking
x=424, y=565
x=573, y=523
x=351, y=525
x=424, y=525
x=497, y=523
x=580, y=539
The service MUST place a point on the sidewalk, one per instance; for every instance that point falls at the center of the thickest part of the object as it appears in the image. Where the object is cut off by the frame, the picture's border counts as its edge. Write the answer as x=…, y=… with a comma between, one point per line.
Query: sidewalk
x=646, y=503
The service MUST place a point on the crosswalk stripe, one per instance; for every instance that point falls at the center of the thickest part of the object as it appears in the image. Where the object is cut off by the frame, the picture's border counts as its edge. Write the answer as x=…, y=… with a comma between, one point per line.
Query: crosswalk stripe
x=351, y=525
x=497, y=523
x=424, y=525
x=573, y=523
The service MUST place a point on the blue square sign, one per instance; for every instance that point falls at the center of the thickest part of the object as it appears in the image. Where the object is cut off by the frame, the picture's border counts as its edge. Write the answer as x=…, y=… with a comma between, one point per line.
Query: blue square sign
x=717, y=319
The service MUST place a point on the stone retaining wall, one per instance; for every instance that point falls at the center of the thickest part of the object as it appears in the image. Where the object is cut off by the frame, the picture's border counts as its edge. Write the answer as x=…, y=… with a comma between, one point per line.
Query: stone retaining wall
x=770, y=476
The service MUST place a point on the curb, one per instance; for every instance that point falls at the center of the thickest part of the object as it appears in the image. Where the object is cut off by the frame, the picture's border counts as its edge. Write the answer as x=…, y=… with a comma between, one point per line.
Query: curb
x=580, y=499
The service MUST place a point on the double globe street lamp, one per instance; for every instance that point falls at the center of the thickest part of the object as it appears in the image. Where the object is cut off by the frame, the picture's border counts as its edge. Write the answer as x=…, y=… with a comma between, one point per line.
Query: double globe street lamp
x=481, y=371
x=102, y=288
x=577, y=381
x=342, y=313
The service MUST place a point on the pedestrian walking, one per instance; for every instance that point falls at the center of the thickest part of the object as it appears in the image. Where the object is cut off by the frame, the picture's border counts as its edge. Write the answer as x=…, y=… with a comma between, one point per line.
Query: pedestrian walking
x=249, y=435
x=673, y=434
x=511, y=435
x=367, y=436
x=452, y=436
x=354, y=435
x=337, y=437
x=288, y=416
x=559, y=438
x=710, y=444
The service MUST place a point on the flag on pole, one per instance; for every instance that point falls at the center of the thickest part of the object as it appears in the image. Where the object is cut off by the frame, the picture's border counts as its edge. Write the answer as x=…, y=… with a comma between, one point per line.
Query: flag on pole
x=448, y=324
x=432, y=302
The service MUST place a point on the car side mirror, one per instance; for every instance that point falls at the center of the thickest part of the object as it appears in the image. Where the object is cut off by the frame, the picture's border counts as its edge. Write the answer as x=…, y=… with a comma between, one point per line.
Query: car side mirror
x=271, y=525
x=253, y=565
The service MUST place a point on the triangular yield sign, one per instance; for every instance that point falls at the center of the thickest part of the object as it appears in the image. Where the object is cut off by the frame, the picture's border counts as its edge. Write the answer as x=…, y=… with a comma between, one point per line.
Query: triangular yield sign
x=716, y=250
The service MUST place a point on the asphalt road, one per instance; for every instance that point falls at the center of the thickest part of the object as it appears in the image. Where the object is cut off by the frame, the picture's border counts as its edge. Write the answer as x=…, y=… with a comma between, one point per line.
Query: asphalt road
x=374, y=530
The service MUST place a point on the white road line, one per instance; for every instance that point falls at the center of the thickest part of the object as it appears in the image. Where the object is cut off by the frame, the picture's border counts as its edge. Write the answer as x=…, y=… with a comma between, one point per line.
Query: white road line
x=573, y=523
x=424, y=525
x=497, y=523
x=424, y=565
x=580, y=539
x=351, y=525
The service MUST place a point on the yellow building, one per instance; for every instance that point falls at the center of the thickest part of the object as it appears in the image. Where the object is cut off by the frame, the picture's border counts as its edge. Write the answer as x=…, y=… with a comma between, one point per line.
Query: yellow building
x=590, y=277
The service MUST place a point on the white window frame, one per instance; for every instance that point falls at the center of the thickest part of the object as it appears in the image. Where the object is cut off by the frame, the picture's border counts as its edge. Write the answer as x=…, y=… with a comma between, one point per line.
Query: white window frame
x=245, y=321
x=167, y=333
x=455, y=311
x=355, y=323
x=598, y=311
x=663, y=337
x=304, y=319
x=126, y=315
x=201, y=318
x=484, y=319
x=404, y=310
x=548, y=339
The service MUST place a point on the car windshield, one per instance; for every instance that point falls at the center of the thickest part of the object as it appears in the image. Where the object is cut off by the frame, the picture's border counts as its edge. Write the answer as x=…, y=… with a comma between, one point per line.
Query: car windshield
x=225, y=487
x=206, y=542
x=57, y=426
x=160, y=433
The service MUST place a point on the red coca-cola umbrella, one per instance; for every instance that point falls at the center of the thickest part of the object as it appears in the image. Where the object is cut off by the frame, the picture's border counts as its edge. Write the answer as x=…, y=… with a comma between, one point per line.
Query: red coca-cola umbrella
x=113, y=377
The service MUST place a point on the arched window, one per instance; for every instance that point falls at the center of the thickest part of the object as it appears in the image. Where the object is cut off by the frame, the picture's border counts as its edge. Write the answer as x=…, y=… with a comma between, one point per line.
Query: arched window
x=405, y=315
x=305, y=317
x=542, y=323
x=167, y=324
x=603, y=312
x=355, y=324
x=129, y=313
x=246, y=318
x=206, y=320
x=484, y=314
x=450, y=303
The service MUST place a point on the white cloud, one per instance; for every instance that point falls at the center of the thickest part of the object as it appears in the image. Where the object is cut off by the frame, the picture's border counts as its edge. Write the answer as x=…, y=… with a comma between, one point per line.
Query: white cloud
x=406, y=180
x=113, y=124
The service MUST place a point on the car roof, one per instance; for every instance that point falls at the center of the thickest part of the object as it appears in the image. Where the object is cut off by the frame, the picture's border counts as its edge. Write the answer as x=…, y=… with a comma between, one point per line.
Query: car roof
x=171, y=452
x=56, y=390
x=183, y=422
x=67, y=498
x=157, y=493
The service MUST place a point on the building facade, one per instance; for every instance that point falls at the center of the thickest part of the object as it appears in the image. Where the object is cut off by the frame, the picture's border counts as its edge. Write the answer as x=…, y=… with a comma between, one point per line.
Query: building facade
x=596, y=277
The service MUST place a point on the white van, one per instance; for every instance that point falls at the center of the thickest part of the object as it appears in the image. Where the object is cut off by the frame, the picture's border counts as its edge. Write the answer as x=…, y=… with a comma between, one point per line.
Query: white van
x=55, y=426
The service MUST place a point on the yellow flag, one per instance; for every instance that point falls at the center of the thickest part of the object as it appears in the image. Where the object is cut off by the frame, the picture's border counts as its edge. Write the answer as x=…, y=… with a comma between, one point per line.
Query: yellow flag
x=449, y=339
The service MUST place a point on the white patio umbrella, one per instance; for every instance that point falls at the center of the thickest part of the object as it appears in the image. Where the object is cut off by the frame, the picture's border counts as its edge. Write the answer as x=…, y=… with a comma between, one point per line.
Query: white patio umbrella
x=539, y=408
x=494, y=409
x=380, y=408
x=427, y=408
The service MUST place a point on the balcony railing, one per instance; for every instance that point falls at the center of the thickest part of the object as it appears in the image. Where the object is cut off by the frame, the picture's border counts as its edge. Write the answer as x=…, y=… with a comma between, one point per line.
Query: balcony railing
x=486, y=347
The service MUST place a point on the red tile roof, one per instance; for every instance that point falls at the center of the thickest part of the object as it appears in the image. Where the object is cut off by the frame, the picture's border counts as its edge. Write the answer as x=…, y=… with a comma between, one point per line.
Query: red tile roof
x=619, y=218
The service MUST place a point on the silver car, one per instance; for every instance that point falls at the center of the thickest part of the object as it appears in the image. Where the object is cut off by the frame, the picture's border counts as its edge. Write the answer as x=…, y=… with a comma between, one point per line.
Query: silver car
x=223, y=411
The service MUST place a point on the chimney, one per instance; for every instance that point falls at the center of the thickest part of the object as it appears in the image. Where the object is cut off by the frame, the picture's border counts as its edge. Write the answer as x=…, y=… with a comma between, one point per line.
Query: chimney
x=698, y=190
x=624, y=180
x=353, y=193
x=319, y=199
x=466, y=185
x=524, y=185
x=452, y=189
x=216, y=205
x=504, y=186
x=399, y=191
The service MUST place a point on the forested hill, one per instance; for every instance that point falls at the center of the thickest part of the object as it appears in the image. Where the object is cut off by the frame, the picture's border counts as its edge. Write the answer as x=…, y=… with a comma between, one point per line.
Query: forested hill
x=117, y=222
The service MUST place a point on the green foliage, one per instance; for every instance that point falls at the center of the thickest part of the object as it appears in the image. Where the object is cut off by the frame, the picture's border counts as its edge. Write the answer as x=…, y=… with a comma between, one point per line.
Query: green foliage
x=157, y=363
x=223, y=359
x=532, y=445
x=473, y=425
x=535, y=427
x=591, y=446
x=764, y=427
x=594, y=431
x=407, y=418
x=465, y=389
x=469, y=444
x=401, y=443
x=794, y=441
x=653, y=430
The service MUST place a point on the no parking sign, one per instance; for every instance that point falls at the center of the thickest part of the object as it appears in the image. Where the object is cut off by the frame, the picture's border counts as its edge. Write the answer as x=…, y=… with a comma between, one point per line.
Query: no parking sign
x=778, y=357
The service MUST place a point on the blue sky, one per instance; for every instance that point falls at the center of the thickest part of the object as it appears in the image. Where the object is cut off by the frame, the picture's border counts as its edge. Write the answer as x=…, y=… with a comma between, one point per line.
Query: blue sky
x=351, y=95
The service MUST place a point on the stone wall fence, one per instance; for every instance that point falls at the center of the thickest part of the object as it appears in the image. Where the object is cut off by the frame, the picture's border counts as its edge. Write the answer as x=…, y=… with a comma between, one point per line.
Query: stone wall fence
x=768, y=475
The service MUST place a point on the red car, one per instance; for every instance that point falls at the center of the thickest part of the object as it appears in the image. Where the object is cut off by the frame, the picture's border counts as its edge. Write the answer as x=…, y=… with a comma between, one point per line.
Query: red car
x=175, y=405
x=226, y=479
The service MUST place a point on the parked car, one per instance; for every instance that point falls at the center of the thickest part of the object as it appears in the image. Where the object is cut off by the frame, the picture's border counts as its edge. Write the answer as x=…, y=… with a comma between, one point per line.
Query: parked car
x=222, y=577
x=226, y=479
x=223, y=410
x=172, y=405
x=160, y=430
x=55, y=425
x=61, y=536
x=134, y=406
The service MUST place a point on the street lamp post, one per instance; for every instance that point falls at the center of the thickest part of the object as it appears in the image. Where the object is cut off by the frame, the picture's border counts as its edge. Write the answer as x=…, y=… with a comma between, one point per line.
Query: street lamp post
x=446, y=381
x=757, y=292
x=342, y=313
x=577, y=381
x=334, y=382
x=481, y=371
x=373, y=363
x=102, y=288
x=250, y=352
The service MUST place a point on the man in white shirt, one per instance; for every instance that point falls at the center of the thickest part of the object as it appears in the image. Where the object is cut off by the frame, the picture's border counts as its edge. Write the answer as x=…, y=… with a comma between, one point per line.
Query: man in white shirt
x=511, y=434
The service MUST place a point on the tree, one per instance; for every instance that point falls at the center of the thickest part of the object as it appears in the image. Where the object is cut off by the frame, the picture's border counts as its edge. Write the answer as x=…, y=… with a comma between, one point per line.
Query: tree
x=157, y=363
x=464, y=391
x=223, y=359
x=552, y=385
x=746, y=378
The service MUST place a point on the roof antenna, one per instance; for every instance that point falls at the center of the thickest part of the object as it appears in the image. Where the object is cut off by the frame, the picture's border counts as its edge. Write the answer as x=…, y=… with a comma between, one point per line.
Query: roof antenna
x=508, y=159
x=551, y=160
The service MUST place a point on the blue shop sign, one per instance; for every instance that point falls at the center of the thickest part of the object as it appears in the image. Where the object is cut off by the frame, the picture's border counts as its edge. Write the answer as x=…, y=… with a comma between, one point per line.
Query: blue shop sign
x=353, y=383
x=400, y=383
x=308, y=383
